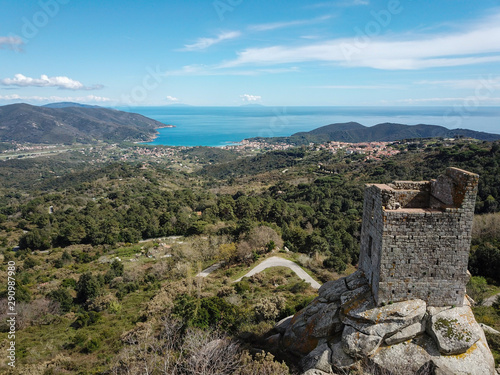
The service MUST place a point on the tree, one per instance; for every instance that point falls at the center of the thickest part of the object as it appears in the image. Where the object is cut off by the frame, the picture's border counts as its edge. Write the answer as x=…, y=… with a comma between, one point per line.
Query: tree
x=35, y=240
x=64, y=298
x=87, y=288
x=117, y=267
x=490, y=205
x=261, y=236
x=227, y=252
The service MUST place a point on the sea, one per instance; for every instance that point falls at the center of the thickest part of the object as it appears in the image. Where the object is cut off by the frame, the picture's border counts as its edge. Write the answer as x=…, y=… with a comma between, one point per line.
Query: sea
x=220, y=126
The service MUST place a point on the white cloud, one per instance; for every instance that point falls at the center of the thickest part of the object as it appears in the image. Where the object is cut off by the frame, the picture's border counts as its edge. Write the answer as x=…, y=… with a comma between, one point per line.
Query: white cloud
x=88, y=98
x=172, y=99
x=250, y=98
x=11, y=42
x=204, y=43
x=467, y=47
x=281, y=25
x=63, y=83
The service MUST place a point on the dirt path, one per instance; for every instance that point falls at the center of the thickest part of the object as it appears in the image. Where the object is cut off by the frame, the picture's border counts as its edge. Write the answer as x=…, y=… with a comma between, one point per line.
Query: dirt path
x=280, y=262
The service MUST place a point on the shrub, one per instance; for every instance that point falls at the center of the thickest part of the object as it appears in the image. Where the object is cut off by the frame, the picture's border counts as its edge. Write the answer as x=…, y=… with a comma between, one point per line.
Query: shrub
x=269, y=308
x=477, y=288
x=206, y=312
x=30, y=262
x=86, y=319
x=63, y=297
x=335, y=263
x=69, y=283
x=299, y=287
x=92, y=345
x=225, y=291
x=242, y=286
x=114, y=307
x=117, y=267
x=101, y=303
x=262, y=364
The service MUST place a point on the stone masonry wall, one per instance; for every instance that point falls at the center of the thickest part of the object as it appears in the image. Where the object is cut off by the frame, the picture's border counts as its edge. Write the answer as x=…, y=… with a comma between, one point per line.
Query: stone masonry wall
x=371, y=235
x=415, y=238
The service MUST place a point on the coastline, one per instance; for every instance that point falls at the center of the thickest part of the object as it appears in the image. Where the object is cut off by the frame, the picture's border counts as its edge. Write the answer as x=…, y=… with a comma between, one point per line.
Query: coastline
x=157, y=133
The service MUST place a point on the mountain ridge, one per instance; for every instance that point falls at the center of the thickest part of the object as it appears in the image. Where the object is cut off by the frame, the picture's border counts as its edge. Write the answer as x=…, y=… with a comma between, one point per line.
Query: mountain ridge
x=353, y=132
x=25, y=123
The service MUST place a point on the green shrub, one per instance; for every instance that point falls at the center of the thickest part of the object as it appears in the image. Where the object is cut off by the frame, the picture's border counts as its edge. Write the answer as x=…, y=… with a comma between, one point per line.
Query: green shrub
x=69, y=283
x=114, y=307
x=242, y=286
x=335, y=263
x=92, y=345
x=64, y=298
x=86, y=319
x=30, y=262
x=206, y=312
x=262, y=364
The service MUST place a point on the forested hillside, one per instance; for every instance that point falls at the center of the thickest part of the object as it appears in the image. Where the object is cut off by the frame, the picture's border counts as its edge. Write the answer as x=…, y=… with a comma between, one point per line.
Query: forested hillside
x=62, y=124
x=83, y=273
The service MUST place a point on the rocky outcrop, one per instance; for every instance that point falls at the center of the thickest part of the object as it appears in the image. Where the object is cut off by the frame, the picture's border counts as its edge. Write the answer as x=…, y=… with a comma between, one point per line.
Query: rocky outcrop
x=454, y=330
x=344, y=328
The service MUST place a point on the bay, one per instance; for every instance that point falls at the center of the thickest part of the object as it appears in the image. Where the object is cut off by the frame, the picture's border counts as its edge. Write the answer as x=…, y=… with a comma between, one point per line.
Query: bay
x=219, y=126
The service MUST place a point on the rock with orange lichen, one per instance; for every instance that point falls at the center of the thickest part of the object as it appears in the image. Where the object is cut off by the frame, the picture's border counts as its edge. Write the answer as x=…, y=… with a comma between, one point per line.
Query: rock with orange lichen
x=358, y=345
x=411, y=356
x=319, y=359
x=332, y=290
x=356, y=280
x=298, y=338
x=399, y=338
x=328, y=321
x=384, y=321
x=454, y=330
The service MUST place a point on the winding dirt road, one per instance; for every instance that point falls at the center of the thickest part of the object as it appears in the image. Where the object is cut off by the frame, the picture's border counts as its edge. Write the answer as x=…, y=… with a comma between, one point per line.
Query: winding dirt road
x=280, y=262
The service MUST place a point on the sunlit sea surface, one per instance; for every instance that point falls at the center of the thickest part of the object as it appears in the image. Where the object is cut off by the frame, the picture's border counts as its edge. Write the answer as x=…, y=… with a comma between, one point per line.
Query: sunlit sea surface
x=218, y=126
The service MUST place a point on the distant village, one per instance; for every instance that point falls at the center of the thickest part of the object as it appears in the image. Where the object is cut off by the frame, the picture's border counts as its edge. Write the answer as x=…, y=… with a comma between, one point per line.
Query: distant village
x=372, y=150
x=176, y=154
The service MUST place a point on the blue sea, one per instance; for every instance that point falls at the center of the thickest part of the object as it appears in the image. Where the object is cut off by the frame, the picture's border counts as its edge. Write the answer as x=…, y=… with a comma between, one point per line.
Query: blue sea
x=219, y=126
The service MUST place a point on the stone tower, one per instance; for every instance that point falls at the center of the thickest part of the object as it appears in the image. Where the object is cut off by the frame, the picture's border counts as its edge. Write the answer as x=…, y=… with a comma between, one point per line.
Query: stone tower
x=416, y=236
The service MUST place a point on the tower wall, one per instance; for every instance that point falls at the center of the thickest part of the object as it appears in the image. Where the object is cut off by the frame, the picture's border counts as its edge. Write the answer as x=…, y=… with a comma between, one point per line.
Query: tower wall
x=415, y=238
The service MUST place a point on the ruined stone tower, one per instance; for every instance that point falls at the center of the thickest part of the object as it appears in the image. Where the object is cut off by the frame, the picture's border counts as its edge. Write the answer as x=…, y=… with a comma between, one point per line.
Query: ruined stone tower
x=416, y=236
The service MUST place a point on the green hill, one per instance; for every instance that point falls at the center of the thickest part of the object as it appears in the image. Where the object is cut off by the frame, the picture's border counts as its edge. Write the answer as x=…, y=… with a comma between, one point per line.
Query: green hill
x=354, y=132
x=27, y=123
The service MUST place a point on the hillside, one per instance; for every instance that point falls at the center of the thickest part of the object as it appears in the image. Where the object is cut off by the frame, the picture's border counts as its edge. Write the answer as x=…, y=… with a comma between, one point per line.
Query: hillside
x=106, y=303
x=27, y=123
x=355, y=132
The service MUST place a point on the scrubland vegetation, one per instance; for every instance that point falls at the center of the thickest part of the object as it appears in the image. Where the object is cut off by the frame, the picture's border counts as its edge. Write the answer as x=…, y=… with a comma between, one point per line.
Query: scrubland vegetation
x=92, y=299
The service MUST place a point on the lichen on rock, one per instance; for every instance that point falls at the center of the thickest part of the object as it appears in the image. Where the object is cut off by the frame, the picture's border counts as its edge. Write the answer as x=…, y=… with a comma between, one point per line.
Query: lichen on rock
x=406, y=335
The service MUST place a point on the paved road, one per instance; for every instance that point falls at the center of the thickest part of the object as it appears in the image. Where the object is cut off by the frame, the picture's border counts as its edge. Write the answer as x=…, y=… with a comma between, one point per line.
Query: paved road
x=280, y=262
x=209, y=270
x=490, y=301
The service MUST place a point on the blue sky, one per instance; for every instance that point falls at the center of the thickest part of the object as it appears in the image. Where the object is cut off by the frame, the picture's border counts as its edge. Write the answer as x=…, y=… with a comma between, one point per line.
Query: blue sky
x=234, y=52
